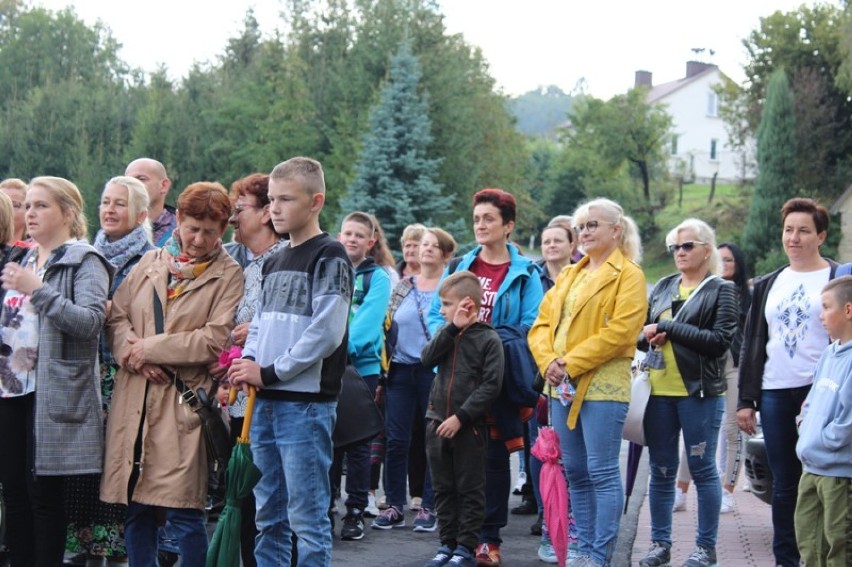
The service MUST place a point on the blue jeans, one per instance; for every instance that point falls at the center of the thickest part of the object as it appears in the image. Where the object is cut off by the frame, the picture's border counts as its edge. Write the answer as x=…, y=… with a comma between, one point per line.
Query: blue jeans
x=406, y=395
x=778, y=411
x=700, y=419
x=590, y=456
x=141, y=534
x=291, y=445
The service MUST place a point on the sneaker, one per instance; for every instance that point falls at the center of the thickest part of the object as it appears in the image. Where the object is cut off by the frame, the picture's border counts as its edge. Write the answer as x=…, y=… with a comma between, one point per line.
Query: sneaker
x=382, y=503
x=522, y=480
x=727, y=502
x=701, y=557
x=680, y=501
x=441, y=558
x=488, y=554
x=546, y=552
x=353, y=526
x=582, y=561
x=659, y=555
x=371, y=511
x=425, y=521
x=416, y=504
x=390, y=518
x=463, y=558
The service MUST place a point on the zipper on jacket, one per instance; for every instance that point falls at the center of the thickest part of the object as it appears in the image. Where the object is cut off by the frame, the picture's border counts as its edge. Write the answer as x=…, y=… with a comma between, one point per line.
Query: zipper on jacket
x=452, y=377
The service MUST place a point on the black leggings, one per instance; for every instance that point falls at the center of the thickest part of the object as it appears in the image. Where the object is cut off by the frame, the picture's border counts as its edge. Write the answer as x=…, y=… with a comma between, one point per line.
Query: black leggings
x=35, y=532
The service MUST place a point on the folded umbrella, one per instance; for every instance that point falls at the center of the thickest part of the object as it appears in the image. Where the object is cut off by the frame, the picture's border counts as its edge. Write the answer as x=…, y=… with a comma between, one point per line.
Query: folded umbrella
x=554, y=490
x=240, y=478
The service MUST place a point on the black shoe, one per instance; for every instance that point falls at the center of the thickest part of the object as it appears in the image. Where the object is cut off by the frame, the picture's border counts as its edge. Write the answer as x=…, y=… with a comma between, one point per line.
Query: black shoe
x=535, y=529
x=526, y=508
x=167, y=558
x=353, y=526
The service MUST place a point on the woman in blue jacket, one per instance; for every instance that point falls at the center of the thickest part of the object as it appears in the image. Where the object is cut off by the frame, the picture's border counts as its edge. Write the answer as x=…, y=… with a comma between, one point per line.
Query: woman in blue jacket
x=511, y=296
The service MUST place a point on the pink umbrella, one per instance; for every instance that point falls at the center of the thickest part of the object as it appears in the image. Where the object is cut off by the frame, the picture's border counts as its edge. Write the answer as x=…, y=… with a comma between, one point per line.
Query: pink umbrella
x=554, y=493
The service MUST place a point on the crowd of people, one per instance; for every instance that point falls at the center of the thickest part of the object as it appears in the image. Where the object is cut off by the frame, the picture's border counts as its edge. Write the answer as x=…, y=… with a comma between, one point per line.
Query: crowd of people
x=467, y=357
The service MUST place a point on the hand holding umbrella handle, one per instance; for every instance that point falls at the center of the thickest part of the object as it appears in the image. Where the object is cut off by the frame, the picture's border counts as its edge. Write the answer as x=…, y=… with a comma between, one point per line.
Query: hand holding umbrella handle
x=244, y=435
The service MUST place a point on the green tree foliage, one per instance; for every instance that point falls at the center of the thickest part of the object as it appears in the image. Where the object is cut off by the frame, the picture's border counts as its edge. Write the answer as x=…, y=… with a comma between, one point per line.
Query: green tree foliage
x=541, y=112
x=808, y=44
x=395, y=179
x=776, y=158
x=70, y=107
x=625, y=130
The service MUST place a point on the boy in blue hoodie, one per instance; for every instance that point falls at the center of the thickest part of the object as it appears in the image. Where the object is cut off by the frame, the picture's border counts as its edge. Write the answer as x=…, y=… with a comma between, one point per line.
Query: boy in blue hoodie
x=366, y=333
x=825, y=440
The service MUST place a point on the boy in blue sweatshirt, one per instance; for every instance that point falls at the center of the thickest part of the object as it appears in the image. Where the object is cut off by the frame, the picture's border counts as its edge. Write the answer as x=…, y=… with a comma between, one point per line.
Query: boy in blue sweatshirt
x=295, y=354
x=366, y=333
x=825, y=440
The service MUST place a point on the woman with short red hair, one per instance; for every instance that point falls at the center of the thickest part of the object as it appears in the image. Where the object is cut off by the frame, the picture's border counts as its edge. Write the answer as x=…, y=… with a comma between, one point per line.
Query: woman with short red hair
x=155, y=459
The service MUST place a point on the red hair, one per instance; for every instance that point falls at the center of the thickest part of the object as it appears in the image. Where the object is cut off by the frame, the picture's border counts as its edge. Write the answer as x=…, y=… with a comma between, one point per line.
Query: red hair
x=504, y=201
x=205, y=200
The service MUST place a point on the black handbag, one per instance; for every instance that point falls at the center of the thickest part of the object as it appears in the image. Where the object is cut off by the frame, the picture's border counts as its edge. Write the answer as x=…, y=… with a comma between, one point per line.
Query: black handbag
x=214, y=430
x=358, y=417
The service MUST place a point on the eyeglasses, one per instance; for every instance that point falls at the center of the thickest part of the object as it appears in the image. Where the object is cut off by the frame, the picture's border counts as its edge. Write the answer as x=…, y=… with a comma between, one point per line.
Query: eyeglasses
x=240, y=208
x=591, y=226
x=688, y=246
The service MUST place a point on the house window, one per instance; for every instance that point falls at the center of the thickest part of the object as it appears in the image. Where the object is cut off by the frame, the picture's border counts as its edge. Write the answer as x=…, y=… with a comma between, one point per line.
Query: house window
x=713, y=153
x=712, y=104
x=674, y=144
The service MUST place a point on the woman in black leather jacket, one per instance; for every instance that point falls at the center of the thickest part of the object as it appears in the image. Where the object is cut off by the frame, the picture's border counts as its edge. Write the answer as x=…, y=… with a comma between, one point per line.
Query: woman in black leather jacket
x=687, y=385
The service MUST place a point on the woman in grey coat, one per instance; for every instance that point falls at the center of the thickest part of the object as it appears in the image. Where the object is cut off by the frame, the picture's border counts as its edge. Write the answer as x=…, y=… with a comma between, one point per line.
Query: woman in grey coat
x=50, y=413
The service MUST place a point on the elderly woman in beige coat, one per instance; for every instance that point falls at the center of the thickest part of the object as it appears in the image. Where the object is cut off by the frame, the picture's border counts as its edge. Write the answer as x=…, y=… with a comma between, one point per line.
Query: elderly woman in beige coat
x=155, y=457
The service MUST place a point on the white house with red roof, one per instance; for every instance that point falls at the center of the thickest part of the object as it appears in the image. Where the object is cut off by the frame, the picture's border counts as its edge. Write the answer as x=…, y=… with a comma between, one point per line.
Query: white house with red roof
x=698, y=146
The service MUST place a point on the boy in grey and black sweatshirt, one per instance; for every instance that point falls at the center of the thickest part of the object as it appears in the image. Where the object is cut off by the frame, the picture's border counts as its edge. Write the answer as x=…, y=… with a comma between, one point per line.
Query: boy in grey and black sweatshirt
x=469, y=357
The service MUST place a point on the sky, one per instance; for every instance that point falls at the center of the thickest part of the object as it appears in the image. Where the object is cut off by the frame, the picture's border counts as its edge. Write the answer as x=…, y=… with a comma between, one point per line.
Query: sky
x=527, y=43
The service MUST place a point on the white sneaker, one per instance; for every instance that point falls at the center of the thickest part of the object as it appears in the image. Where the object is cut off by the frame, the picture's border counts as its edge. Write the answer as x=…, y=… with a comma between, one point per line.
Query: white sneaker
x=522, y=480
x=416, y=504
x=680, y=501
x=727, y=502
x=371, y=511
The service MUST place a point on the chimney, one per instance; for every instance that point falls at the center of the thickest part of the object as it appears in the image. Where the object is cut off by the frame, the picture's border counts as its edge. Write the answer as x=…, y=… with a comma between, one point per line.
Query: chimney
x=643, y=79
x=695, y=67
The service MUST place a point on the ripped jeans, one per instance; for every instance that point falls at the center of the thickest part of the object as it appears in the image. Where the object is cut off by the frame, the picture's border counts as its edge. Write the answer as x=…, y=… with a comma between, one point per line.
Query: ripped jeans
x=700, y=419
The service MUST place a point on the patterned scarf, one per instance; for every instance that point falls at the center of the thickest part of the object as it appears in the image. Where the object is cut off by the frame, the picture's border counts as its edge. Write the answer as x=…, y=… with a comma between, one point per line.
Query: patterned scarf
x=182, y=268
x=120, y=252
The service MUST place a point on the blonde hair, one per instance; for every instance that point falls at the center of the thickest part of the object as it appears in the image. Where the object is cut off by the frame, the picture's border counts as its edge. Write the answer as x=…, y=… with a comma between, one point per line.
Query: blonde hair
x=70, y=202
x=629, y=242
x=137, y=199
x=412, y=232
x=305, y=171
x=705, y=234
x=14, y=183
x=7, y=221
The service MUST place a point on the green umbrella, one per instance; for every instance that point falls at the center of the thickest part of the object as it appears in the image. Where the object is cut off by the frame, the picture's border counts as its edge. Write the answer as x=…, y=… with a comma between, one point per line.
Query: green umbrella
x=240, y=478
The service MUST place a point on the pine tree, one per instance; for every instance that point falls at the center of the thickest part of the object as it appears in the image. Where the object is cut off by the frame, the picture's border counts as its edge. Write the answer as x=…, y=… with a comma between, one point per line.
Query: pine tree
x=776, y=160
x=394, y=175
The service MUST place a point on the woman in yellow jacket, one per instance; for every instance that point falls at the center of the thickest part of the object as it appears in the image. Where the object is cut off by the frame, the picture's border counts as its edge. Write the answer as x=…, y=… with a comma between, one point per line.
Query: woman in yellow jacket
x=583, y=342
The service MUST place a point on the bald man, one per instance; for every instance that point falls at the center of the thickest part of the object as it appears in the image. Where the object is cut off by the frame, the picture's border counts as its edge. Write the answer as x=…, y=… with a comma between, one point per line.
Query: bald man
x=153, y=175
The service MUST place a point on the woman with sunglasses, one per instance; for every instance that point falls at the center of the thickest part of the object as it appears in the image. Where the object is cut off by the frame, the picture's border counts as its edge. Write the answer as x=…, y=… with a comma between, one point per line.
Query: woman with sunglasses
x=583, y=342
x=692, y=318
x=782, y=342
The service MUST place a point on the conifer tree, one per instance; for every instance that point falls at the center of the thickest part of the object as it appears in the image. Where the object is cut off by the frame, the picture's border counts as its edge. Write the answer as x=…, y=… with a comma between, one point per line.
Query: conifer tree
x=776, y=160
x=395, y=178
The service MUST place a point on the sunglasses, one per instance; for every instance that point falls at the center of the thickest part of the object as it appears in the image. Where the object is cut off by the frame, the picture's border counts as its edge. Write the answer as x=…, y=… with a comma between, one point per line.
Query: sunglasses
x=688, y=246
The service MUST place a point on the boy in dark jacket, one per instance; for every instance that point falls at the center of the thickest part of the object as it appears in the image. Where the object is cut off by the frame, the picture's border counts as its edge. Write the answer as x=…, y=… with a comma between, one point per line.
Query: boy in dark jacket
x=469, y=357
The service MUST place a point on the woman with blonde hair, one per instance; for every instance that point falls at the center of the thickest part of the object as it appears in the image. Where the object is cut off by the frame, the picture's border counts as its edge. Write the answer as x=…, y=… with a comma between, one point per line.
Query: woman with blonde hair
x=16, y=190
x=692, y=318
x=50, y=413
x=96, y=529
x=583, y=342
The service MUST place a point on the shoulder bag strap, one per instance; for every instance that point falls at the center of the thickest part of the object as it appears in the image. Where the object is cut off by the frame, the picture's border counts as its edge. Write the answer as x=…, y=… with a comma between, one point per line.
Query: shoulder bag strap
x=704, y=282
x=186, y=393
